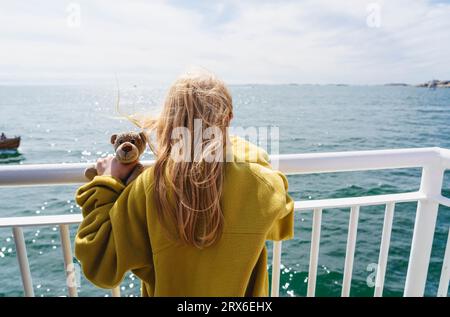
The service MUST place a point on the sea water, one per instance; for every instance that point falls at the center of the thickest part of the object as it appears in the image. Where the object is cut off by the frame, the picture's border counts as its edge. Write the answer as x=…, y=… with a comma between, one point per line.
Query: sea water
x=74, y=123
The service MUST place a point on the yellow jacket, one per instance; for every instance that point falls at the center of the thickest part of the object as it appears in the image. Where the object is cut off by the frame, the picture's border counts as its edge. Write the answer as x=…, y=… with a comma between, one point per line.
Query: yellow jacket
x=120, y=232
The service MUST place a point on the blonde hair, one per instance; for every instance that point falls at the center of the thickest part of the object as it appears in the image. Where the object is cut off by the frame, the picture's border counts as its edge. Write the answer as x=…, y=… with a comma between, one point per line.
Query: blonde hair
x=187, y=192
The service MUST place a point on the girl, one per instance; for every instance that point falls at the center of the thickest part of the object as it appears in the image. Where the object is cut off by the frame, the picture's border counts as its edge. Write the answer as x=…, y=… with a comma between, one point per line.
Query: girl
x=190, y=225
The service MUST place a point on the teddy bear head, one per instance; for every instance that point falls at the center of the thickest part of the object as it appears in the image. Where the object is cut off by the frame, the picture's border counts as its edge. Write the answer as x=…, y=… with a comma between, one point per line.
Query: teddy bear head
x=129, y=146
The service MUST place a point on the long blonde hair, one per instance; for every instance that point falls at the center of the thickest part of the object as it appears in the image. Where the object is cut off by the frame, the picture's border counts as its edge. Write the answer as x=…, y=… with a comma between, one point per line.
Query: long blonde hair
x=188, y=192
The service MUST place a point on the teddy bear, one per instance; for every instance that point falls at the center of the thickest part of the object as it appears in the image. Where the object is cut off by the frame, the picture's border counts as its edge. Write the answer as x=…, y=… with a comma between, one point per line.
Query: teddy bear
x=128, y=147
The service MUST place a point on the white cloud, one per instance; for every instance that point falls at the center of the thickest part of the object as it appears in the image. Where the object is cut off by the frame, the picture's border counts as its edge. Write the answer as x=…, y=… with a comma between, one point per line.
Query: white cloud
x=314, y=41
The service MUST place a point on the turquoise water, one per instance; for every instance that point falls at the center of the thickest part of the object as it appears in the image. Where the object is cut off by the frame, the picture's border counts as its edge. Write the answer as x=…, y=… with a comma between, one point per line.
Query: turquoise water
x=73, y=124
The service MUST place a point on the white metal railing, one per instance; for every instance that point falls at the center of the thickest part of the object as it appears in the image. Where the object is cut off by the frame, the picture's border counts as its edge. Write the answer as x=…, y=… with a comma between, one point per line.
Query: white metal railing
x=433, y=161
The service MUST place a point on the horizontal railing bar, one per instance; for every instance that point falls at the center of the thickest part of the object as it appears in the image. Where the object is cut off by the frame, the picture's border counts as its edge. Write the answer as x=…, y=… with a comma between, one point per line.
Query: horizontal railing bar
x=299, y=206
x=445, y=157
x=357, y=160
x=443, y=201
x=358, y=201
x=33, y=221
x=43, y=174
x=73, y=173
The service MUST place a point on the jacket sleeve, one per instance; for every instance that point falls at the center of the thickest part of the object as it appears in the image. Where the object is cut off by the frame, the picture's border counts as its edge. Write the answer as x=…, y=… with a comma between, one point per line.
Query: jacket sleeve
x=113, y=237
x=278, y=197
x=283, y=226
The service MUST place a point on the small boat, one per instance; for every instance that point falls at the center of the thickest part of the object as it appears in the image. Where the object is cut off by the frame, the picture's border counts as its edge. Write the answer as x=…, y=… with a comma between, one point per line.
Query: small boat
x=9, y=143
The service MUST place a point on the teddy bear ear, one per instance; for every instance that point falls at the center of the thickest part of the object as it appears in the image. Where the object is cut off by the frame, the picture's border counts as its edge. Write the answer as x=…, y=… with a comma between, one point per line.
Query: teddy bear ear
x=143, y=136
x=113, y=138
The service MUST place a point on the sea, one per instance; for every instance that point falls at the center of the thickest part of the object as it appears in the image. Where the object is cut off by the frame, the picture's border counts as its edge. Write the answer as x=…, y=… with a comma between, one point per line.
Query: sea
x=73, y=123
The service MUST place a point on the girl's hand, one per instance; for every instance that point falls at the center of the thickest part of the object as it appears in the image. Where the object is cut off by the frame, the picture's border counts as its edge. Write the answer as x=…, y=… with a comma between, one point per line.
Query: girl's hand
x=111, y=166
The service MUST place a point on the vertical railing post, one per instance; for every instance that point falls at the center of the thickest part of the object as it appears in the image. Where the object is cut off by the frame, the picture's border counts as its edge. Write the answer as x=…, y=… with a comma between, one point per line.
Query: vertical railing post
x=424, y=226
x=22, y=257
x=445, y=272
x=276, y=263
x=384, y=249
x=71, y=280
x=314, y=253
x=350, y=252
x=116, y=291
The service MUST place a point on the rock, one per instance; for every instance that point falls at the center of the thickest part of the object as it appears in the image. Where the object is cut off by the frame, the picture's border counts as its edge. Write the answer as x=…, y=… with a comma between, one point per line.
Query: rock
x=435, y=84
x=397, y=84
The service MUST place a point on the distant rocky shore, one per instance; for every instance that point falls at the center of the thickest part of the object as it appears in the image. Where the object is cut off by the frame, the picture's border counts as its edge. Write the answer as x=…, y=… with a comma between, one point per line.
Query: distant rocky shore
x=397, y=84
x=429, y=84
x=436, y=84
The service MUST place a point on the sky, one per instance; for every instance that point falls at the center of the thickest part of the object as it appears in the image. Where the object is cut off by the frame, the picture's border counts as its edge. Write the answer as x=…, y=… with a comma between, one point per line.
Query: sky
x=242, y=41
